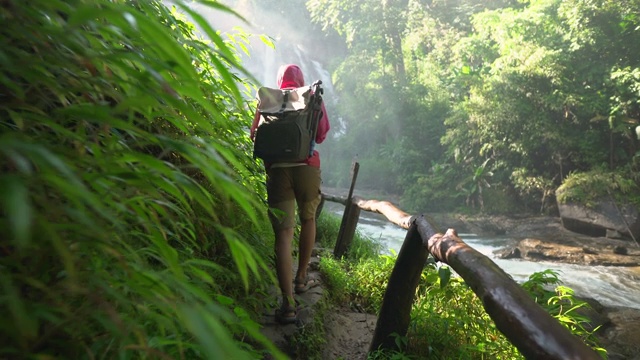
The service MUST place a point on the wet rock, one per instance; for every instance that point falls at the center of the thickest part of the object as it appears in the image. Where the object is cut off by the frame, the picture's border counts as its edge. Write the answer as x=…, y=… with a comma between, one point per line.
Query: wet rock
x=509, y=253
x=605, y=219
x=612, y=234
x=544, y=238
x=621, y=333
x=620, y=250
x=593, y=254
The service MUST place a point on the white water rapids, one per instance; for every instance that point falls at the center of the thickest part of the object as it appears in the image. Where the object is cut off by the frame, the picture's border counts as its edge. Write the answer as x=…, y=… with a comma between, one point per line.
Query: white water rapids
x=610, y=285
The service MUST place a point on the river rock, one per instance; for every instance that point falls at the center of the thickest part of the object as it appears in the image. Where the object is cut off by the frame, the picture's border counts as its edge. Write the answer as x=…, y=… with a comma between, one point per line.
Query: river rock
x=605, y=219
x=620, y=335
x=592, y=253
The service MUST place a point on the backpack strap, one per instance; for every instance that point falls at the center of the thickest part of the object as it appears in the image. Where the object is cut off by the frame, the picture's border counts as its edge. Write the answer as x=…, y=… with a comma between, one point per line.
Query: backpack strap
x=285, y=98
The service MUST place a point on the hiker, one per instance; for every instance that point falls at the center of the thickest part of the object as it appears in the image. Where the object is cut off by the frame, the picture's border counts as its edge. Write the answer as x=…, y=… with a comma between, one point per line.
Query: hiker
x=289, y=184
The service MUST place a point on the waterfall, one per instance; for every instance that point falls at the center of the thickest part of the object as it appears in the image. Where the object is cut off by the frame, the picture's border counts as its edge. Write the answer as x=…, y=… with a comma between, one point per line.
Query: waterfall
x=264, y=61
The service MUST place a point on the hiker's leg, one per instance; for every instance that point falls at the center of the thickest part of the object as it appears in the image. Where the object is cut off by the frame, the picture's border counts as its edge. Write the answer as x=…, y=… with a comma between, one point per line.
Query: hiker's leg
x=307, y=242
x=284, y=264
x=281, y=199
x=307, y=189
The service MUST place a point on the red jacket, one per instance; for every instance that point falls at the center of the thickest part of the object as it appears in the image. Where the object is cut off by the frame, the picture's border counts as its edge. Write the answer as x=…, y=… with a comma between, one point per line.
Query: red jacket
x=290, y=77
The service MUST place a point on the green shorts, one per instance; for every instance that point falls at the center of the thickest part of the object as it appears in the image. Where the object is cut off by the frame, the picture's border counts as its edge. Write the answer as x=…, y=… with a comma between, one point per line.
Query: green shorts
x=287, y=186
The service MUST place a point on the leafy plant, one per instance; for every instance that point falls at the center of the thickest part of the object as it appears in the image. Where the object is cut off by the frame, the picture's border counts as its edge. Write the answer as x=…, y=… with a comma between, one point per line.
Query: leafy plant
x=125, y=223
x=368, y=281
x=335, y=278
x=588, y=187
x=560, y=303
x=401, y=343
x=361, y=247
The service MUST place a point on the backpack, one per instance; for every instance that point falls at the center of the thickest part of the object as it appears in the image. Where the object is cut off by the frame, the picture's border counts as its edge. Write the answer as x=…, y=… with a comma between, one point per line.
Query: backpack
x=288, y=124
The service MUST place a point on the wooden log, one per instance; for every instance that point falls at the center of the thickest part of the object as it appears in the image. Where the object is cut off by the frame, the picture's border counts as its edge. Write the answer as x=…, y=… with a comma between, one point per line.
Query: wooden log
x=344, y=241
x=335, y=198
x=350, y=222
x=535, y=333
x=395, y=312
x=355, y=168
x=392, y=213
x=527, y=325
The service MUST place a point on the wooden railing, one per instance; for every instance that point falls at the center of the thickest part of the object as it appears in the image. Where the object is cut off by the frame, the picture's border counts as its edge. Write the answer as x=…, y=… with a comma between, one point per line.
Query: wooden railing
x=535, y=333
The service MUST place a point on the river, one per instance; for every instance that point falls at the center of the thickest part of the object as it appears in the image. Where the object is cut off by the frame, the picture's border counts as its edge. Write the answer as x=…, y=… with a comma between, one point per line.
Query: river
x=610, y=285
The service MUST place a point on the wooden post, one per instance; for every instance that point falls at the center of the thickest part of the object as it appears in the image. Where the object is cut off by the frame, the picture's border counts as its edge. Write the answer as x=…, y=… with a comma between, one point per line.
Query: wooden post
x=344, y=240
x=350, y=222
x=320, y=207
x=395, y=312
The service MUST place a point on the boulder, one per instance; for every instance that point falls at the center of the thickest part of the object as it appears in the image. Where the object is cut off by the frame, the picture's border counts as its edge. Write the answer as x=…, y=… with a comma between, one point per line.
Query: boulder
x=605, y=218
x=597, y=253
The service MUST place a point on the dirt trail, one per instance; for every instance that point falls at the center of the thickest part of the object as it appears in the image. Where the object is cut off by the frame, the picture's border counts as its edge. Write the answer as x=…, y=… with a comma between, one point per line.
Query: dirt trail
x=347, y=333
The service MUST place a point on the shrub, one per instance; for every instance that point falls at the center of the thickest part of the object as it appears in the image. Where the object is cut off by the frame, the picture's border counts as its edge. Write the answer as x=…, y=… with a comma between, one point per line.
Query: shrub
x=588, y=187
x=124, y=223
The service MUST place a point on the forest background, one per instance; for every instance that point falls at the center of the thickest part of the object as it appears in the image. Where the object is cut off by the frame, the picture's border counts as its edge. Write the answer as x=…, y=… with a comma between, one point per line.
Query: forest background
x=132, y=220
x=472, y=105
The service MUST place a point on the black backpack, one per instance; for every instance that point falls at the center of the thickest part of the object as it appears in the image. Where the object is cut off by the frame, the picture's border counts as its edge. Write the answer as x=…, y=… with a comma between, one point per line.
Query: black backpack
x=288, y=124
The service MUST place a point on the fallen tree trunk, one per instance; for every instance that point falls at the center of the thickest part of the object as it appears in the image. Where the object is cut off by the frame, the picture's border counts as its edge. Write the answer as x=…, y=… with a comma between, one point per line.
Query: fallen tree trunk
x=392, y=213
x=535, y=333
x=527, y=325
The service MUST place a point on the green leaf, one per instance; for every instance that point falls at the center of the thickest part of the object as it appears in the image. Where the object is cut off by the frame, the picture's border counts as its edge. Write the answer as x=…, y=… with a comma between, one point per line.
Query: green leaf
x=444, y=273
x=26, y=325
x=17, y=206
x=214, y=339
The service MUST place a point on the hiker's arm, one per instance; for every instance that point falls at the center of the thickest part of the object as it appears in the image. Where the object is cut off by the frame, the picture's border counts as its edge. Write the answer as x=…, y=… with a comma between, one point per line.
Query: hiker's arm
x=254, y=125
x=323, y=126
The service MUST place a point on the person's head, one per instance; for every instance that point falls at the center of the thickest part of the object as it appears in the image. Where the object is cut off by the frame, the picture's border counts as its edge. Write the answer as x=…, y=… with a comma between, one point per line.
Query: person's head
x=290, y=76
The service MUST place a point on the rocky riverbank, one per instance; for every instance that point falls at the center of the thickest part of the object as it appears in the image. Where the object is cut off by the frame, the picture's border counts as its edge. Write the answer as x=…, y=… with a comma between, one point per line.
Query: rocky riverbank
x=543, y=238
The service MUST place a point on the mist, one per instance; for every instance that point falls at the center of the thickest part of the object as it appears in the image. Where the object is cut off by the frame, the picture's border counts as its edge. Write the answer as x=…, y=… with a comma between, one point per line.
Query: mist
x=289, y=33
x=289, y=43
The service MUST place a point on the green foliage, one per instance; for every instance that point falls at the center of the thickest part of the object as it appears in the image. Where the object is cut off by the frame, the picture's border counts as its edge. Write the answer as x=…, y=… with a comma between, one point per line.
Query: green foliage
x=401, y=343
x=309, y=342
x=362, y=247
x=328, y=227
x=431, y=192
x=368, y=281
x=562, y=305
x=588, y=187
x=499, y=201
x=539, y=88
x=128, y=196
x=447, y=319
x=335, y=278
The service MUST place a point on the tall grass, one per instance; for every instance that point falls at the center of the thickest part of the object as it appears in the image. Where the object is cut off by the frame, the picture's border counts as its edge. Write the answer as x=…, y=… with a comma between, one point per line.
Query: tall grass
x=361, y=247
x=128, y=222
